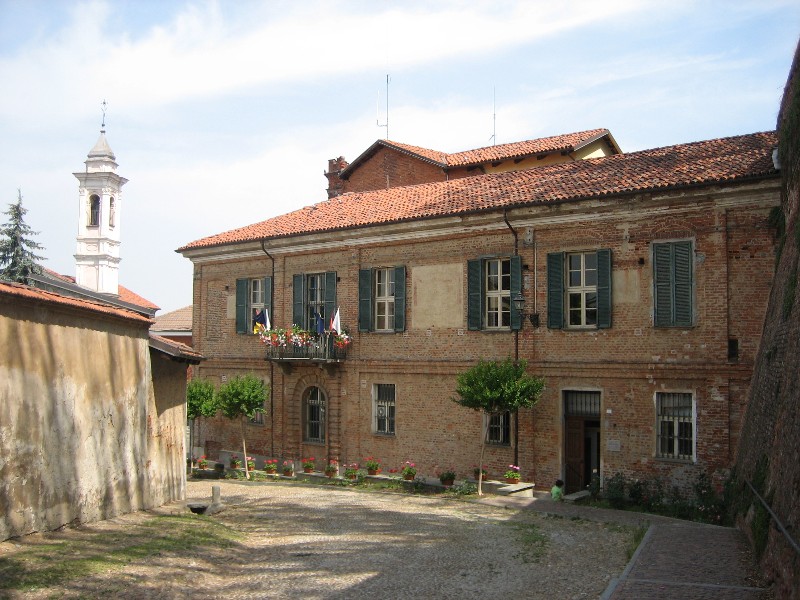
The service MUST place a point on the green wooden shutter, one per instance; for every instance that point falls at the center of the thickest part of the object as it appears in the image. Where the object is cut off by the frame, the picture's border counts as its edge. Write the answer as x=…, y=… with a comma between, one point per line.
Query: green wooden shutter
x=364, y=299
x=516, y=288
x=682, y=261
x=555, y=290
x=268, y=299
x=399, y=298
x=242, y=286
x=603, y=289
x=330, y=298
x=662, y=285
x=474, y=294
x=298, y=300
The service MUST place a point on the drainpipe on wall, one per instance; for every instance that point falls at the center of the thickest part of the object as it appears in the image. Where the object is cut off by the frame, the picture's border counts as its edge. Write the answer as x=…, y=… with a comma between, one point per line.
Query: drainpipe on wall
x=516, y=340
x=271, y=364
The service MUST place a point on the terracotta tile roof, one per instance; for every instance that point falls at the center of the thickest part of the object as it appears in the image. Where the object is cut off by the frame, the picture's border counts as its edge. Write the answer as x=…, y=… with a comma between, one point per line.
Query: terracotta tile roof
x=559, y=143
x=36, y=294
x=177, y=320
x=176, y=350
x=699, y=163
x=125, y=294
x=567, y=142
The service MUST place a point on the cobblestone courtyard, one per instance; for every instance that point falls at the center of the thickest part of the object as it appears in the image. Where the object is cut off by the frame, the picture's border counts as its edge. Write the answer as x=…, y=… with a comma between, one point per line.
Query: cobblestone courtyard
x=306, y=541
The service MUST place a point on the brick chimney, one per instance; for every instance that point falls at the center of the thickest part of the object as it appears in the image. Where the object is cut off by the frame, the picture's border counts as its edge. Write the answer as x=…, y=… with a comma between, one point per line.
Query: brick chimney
x=335, y=183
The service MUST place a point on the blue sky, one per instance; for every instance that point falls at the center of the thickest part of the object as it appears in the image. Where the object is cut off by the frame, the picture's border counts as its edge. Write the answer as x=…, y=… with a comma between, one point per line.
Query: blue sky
x=222, y=114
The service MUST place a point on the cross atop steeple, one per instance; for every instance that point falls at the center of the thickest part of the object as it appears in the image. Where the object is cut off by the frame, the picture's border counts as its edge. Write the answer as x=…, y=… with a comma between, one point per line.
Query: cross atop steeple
x=103, y=124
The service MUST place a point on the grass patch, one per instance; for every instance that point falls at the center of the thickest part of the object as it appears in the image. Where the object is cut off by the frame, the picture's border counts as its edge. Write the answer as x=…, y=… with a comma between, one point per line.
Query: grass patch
x=533, y=541
x=638, y=536
x=55, y=562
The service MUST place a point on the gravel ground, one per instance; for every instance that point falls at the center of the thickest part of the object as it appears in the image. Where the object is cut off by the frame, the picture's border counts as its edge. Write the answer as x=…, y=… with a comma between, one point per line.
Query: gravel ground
x=307, y=541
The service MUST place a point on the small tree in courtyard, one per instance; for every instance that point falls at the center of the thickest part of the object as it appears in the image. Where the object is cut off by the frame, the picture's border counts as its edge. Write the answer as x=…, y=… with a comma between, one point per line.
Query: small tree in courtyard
x=242, y=398
x=17, y=258
x=200, y=402
x=494, y=388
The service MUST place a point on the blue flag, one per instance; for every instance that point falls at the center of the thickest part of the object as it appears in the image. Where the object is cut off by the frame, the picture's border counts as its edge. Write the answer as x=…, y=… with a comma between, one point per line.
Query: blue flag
x=320, y=323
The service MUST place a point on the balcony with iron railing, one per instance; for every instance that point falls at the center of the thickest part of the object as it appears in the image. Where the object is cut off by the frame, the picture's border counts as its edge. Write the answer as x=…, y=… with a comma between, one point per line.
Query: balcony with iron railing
x=325, y=350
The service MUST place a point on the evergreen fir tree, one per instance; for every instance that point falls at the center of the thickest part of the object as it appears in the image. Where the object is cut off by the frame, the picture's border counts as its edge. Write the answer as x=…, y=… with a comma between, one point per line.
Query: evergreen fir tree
x=17, y=258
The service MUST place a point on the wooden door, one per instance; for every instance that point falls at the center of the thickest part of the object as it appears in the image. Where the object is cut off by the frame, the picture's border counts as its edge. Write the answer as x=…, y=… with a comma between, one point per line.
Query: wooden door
x=574, y=455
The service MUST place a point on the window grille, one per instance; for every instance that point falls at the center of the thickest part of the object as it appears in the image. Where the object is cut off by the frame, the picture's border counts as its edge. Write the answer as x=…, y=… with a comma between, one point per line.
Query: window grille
x=675, y=428
x=384, y=408
x=315, y=415
x=499, y=430
x=582, y=404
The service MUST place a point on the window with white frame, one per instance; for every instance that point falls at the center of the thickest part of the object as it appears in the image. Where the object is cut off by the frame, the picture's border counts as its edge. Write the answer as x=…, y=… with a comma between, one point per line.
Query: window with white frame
x=384, y=299
x=314, y=415
x=384, y=398
x=253, y=297
x=675, y=425
x=499, y=431
x=497, y=290
x=315, y=302
x=582, y=289
x=256, y=300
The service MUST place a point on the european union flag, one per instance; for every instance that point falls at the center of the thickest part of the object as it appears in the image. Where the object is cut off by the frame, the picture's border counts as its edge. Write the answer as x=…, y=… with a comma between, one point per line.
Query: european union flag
x=320, y=323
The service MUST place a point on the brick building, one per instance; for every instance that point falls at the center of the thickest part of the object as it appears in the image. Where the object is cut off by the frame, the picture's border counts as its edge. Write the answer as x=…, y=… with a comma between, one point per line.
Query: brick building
x=644, y=278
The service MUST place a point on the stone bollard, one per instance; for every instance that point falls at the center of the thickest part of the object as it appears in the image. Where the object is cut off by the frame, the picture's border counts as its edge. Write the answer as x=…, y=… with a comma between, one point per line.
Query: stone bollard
x=216, y=501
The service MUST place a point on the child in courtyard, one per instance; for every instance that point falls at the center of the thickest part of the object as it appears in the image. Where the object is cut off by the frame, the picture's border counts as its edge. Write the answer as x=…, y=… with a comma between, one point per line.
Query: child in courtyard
x=557, y=491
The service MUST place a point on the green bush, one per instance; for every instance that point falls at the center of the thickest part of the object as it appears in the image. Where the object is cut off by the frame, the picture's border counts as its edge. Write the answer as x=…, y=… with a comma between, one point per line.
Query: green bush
x=615, y=491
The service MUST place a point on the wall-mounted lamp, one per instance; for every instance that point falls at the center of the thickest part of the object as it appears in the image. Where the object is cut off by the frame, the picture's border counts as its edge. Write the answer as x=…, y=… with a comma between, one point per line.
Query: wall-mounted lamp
x=519, y=304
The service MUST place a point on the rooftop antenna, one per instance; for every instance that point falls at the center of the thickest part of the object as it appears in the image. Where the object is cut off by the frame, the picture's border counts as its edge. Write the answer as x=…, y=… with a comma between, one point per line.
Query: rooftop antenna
x=377, y=111
x=494, y=117
x=103, y=124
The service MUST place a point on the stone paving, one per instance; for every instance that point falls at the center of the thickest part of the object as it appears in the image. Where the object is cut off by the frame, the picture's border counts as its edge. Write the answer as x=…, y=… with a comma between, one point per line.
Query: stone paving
x=676, y=559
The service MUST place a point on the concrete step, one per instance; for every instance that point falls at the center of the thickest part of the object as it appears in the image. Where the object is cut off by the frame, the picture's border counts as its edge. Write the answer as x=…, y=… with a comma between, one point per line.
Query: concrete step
x=576, y=496
x=520, y=490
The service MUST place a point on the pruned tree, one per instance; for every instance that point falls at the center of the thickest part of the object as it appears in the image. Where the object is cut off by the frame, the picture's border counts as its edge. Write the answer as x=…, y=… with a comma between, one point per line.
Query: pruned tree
x=200, y=402
x=17, y=258
x=496, y=387
x=242, y=398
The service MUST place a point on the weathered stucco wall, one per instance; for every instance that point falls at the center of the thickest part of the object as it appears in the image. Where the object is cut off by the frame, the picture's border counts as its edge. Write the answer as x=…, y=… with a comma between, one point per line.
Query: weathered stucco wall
x=82, y=437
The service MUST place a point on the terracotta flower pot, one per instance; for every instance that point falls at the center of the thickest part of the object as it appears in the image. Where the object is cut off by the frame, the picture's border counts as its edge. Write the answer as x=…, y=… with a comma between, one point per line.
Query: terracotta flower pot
x=330, y=474
x=308, y=470
x=511, y=480
x=448, y=482
x=373, y=471
x=288, y=472
x=409, y=477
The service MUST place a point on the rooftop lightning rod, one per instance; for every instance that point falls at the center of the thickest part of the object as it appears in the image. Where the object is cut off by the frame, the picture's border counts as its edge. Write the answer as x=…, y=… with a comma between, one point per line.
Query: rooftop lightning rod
x=377, y=110
x=494, y=118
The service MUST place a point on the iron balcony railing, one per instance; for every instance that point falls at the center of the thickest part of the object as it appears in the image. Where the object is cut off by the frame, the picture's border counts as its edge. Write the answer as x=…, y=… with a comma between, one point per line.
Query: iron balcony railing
x=321, y=349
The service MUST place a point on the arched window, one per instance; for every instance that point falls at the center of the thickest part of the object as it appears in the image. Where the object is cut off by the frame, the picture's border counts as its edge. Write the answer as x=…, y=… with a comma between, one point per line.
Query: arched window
x=94, y=210
x=314, y=415
x=111, y=212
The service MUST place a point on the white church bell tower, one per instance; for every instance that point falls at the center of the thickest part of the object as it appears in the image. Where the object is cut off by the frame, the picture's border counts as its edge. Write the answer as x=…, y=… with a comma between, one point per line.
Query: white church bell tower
x=99, y=211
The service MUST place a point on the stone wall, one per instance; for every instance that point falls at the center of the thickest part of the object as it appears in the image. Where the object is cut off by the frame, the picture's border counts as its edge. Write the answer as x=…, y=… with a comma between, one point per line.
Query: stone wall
x=84, y=433
x=769, y=451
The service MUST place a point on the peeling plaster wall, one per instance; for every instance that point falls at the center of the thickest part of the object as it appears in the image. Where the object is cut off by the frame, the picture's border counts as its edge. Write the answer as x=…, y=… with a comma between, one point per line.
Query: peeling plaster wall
x=82, y=437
